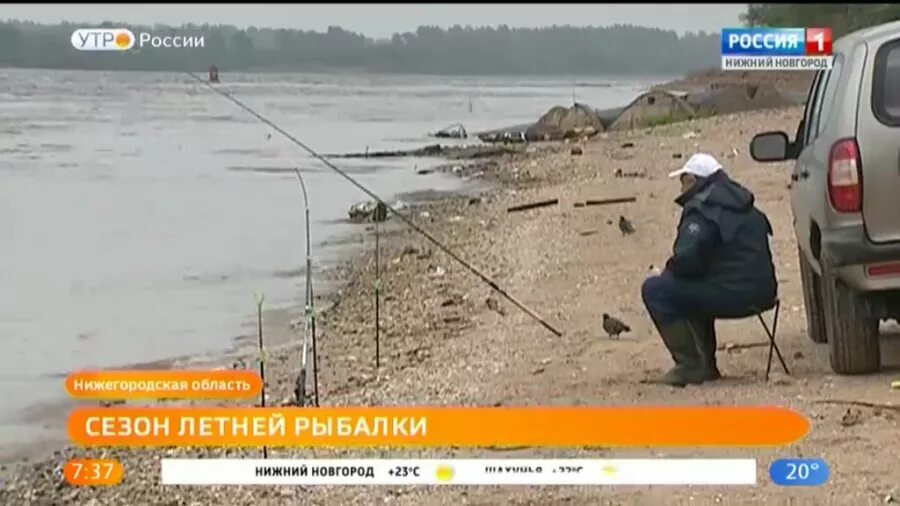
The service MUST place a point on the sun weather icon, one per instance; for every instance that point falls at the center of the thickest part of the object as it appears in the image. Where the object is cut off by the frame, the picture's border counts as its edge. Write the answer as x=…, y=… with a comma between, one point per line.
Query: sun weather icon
x=444, y=473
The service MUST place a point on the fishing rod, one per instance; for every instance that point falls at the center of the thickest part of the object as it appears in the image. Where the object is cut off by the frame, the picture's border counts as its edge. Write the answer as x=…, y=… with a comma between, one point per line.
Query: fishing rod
x=379, y=214
x=377, y=199
x=262, y=357
x=309, y=328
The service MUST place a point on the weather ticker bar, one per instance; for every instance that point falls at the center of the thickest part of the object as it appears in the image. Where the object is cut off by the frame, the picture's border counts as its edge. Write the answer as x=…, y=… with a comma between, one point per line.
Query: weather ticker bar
x=459, y=472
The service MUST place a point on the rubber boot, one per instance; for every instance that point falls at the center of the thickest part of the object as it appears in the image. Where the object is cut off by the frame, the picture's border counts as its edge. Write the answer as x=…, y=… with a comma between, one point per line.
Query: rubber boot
x=690, y=368
x=705, y=332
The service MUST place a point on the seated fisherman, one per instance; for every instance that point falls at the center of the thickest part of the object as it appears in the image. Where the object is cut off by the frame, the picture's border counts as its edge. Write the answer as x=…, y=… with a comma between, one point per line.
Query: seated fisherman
x=721, y=267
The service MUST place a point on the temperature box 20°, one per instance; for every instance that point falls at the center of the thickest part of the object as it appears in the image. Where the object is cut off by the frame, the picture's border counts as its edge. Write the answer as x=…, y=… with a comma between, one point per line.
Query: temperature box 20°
x=776, y=49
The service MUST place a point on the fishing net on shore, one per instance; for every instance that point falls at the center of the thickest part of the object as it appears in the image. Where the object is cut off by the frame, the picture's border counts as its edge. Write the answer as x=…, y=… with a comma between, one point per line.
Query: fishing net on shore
x=732, y=98
x=565, y=123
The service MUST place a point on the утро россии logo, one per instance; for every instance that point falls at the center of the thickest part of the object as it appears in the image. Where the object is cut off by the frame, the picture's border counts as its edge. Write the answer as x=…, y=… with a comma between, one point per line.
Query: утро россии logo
x=102, y=39
x=123, y=39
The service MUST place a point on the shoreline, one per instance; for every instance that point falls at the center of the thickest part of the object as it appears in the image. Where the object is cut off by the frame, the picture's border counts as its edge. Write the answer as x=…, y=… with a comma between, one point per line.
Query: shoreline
x=349, y=296
x=443, y=344
x=342, y=278
x=346, y=368
x=278, y=325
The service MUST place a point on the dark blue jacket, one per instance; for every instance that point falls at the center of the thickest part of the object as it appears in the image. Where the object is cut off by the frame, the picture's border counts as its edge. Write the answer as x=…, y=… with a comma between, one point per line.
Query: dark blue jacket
x=723, y=242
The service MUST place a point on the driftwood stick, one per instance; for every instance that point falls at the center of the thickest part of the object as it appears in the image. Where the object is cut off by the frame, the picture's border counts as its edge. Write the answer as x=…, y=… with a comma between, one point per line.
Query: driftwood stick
x=741, y=346
x=603, y=202
x=863, y=404
x=533, y=205
x=508, y=448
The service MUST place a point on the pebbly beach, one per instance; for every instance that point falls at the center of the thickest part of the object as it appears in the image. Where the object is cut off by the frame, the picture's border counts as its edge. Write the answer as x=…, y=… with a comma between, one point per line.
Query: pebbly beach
x=448, y=339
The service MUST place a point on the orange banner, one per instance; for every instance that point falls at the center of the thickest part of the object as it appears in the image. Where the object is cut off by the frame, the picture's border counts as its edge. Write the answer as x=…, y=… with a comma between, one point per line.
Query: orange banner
x=439, y=427
x=93, y=472
x=224, y=384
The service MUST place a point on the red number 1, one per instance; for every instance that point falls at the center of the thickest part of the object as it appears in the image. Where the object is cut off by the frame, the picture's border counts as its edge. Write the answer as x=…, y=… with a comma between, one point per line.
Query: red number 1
x=818, y=41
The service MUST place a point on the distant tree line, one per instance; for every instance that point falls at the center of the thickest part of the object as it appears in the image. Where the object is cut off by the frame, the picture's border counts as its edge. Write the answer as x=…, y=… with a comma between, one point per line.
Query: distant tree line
x=841, y=18
x=618, y=49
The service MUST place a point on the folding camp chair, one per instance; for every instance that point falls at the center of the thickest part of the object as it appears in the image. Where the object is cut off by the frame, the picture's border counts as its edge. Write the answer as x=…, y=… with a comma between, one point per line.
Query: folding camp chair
x=770, y=332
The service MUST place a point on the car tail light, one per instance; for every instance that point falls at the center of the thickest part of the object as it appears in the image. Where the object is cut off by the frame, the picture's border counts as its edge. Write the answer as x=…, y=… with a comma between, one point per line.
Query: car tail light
x=844, y=178
x=890, y=269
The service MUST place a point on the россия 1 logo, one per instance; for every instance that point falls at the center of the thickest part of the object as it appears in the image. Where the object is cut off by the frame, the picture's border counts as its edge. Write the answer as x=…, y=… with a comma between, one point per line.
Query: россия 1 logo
x=776, y=49
x=122, y=39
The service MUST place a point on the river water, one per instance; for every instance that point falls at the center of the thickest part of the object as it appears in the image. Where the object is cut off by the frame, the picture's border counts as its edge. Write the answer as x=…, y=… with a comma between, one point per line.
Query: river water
x=140, y=212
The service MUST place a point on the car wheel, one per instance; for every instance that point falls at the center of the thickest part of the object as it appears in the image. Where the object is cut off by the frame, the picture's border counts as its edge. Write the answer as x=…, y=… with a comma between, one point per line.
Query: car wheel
x=812, y=300
x=852, y=334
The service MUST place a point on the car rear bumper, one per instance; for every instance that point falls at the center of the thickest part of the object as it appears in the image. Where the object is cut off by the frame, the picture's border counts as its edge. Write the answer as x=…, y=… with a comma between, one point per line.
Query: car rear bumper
x=849, y=251
x=850, y=246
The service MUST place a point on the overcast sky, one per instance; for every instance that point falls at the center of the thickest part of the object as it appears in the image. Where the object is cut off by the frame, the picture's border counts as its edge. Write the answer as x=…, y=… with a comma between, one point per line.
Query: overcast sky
x=383, y=20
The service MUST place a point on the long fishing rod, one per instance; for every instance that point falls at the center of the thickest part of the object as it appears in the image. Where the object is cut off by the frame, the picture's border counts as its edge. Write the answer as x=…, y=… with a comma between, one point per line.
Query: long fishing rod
x=262, y=357
x=377, y=199
x=378, y=214
x=309, y=315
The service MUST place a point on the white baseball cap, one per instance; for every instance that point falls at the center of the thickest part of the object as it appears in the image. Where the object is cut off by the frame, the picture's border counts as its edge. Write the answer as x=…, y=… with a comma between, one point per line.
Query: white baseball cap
x=700, y=165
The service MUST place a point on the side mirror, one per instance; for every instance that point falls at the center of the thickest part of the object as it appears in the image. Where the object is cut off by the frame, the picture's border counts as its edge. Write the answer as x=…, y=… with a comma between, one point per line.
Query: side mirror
x=771, y=147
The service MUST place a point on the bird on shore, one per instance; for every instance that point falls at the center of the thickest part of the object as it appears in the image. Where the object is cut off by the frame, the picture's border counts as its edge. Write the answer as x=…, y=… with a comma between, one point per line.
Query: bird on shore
x=494, y=305
x=625, y=226
x=614, y=326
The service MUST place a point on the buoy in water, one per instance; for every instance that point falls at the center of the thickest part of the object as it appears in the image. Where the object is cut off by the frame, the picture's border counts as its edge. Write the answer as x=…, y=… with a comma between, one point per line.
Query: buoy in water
x=213, y=74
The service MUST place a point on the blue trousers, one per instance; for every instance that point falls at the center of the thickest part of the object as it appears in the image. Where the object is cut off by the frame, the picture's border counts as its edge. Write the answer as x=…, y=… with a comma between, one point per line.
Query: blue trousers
x=669, y=299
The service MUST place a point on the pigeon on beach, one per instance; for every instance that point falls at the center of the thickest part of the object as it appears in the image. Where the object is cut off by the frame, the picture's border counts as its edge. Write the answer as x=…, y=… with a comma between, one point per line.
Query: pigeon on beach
x=625, y=226
x=494, y=305
x=614, y=326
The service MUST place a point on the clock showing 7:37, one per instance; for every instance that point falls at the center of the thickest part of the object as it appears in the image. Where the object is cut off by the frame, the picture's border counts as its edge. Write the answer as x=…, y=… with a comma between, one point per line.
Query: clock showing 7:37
x=93, y=472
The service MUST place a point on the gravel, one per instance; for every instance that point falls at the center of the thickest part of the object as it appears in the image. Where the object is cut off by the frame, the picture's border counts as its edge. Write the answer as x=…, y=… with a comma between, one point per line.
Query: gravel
x=442, y=343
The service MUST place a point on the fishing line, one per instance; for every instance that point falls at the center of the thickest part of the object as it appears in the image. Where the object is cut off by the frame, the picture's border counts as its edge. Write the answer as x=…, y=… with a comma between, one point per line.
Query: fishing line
x=377, y=199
